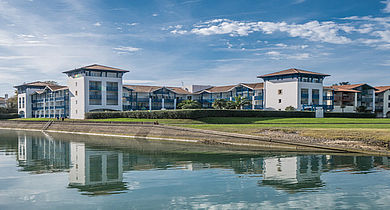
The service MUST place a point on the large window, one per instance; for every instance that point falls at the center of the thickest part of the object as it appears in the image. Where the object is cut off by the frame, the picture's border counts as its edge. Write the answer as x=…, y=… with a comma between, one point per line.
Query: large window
x=315, y=97
x=112, y=93
x=304, y=96
x=95, y=93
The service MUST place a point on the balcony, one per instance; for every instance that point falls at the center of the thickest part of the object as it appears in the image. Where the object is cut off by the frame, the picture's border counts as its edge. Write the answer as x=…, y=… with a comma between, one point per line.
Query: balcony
x=113, y=98
x=258, y=98
x=95, y=88
x=328, y=98
x=304, y=95
x=112, y=88
x=315, y=96
x=95, y=96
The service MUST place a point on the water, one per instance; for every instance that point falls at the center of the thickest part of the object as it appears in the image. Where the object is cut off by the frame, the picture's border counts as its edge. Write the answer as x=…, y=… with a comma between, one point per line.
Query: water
x=47, y=171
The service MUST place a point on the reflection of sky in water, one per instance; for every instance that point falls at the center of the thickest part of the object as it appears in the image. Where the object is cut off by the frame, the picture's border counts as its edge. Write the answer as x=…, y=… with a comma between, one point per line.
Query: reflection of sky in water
x=40, y=172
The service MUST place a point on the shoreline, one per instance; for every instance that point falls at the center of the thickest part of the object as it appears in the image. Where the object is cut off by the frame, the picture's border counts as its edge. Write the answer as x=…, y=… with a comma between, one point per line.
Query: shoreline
x=272, y=141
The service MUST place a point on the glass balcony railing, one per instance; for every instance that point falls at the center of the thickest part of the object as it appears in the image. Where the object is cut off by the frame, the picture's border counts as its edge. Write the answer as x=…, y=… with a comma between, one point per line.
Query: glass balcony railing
x=95, y=97
x=112, y=98
x=95, y=88
x=112, y=88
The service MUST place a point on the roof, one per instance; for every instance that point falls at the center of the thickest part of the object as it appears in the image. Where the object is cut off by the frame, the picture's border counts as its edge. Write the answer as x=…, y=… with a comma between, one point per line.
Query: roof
x=292, y=71
x=227, y=88
x=97, y=67
x=149, y=89
x=254, y=86
x=36, y=84
x=382, y=89
x=348, y=88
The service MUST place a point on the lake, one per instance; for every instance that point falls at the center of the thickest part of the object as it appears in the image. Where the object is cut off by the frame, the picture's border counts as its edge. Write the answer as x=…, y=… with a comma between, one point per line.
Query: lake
x=47, y=171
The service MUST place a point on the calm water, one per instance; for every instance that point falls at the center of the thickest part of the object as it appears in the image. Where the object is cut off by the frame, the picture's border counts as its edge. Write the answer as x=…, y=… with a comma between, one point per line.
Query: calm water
x=38, y=171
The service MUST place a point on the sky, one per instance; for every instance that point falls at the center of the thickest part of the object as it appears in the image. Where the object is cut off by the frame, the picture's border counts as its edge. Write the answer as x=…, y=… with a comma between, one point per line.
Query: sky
x=209, y=42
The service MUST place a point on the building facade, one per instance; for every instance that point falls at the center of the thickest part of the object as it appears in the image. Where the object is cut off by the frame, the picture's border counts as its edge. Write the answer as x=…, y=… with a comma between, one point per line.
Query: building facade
x=99, y=88
x=295, y=88
x=382, y=101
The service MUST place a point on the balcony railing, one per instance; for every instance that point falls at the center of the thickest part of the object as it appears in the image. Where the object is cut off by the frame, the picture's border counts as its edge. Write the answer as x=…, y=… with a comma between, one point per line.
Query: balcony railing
x=305, y=95
x=95, y=88
x=112, y=88
x=95, y=96
x=315, y=96
x=328, y=98
x=114, y=98
x=258, y=98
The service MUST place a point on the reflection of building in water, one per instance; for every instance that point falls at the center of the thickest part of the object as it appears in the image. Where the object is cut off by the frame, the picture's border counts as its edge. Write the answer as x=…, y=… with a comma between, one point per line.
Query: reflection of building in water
x=96, y=172
x=293, y=173
x=42, y=154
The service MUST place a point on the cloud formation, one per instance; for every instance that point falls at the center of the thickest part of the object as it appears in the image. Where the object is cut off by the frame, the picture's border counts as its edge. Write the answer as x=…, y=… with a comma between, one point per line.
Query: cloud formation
x=328, y=31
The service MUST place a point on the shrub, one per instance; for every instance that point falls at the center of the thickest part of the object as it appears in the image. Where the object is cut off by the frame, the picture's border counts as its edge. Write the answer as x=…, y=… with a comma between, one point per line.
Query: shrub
x=220, y=104
x=290, y=108
x=189, y=104
x=8, y=116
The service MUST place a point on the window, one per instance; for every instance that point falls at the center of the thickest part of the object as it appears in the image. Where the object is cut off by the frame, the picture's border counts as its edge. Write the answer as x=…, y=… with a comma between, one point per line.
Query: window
x=280, y=92
x=389, y=97
x=76, y=111
x=304, y=96
x=76, y=101
x=315, y=99
x=95, y=74
x=112, y=93
x=76, y=93
x=280, y=101
x=76, y=84
x=389, y=105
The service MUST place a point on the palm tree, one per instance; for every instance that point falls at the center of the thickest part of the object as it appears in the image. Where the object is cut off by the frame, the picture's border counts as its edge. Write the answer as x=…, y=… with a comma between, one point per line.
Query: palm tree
x=220, y=103
x=240, y=102
x=189, y=104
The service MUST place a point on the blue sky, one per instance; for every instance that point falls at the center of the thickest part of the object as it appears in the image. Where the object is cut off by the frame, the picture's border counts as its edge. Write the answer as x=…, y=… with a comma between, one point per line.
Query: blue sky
x=217, y=42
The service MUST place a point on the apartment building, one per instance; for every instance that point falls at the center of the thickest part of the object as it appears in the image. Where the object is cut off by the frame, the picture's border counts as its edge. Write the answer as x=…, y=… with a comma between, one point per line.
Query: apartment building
x=94, y=88
x=99, y=88
x=296, y=88
x=347, y=98
x=382, y=101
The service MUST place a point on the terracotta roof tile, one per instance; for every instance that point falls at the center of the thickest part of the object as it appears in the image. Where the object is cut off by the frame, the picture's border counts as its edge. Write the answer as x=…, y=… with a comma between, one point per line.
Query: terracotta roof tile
x=348, y=88
x=292, y=71
x=149, y=89
x=382, y=89
x=97, y=67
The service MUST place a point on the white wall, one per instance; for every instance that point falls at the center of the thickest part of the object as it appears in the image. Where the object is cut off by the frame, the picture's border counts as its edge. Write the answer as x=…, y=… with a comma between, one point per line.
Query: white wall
x=289, y=94
x=78, y=110
x=77, y=103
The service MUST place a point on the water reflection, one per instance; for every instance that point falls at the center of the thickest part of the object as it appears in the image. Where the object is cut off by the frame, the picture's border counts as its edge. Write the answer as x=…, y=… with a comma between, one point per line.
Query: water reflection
x=96, y=171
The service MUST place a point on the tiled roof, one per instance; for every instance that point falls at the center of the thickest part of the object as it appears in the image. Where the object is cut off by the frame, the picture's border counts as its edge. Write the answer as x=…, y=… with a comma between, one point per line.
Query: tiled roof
x=292, y=71
x=348, y=88
x=254, y=86
x=97, y=67
x=37, y=84
x=382, y=89
x=149, y=89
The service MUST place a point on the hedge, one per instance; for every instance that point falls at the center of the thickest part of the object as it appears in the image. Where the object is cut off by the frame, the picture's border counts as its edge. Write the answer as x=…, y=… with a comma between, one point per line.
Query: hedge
x=8, y=116
x=201, y=113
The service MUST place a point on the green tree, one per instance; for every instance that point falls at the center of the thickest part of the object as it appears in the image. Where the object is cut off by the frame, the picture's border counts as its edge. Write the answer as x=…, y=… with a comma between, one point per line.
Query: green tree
x=189, y=104
x=220, y=103
x=239, y=102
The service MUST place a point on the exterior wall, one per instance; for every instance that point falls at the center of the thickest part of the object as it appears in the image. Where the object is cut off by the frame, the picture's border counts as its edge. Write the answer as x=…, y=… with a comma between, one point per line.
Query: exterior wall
x=310, y=86
x=77, y=102
x=383, y=104
x=80, y=103
x=289, y=95
x=196, y=88
x=346, y=109
x=104, y=105
x=26, y=109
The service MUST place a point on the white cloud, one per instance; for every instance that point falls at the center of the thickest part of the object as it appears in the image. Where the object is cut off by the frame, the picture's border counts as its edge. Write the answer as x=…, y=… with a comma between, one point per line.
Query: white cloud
x=273, y=53
x=127, y=49
x=314, y=30
x=299, y=1
x=155, y=15
x=387, y=7
x=97, y=24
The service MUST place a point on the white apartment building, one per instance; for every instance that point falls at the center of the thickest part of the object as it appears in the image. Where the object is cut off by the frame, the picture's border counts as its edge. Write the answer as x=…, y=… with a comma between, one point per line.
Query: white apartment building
x=293, y=87
x=382, y=101
x=94, y=88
